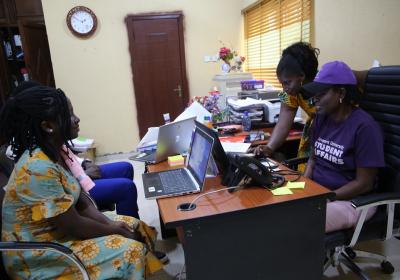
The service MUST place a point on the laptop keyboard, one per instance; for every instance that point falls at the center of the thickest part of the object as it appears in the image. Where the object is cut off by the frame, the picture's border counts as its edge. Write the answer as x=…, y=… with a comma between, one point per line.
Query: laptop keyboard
x=176, y=181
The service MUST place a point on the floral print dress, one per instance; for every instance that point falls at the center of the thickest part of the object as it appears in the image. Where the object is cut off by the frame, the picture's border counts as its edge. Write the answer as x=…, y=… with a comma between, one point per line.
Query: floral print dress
x=40, y=189
x=294, y=102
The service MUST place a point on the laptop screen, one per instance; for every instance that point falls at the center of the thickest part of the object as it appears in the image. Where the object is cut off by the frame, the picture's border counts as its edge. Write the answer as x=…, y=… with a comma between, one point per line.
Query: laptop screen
x=199, y=155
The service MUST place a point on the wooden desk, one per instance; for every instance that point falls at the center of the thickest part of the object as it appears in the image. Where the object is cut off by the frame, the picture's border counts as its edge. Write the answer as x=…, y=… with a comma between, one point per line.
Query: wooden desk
x=289, y=149
x=250, y=234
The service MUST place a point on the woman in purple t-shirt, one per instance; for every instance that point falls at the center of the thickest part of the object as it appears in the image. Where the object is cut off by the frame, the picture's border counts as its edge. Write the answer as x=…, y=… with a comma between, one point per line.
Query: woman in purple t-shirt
x=347, y=144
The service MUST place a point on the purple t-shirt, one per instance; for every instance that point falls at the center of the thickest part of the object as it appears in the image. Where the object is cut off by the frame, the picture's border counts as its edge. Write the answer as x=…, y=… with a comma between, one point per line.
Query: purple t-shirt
x=340, y=148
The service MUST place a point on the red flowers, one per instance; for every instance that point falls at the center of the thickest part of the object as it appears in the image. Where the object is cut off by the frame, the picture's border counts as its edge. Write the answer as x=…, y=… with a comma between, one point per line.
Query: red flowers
x=225, y=54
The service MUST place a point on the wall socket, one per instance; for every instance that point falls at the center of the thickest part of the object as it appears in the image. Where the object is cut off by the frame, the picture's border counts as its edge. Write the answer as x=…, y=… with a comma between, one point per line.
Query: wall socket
x=211, y=58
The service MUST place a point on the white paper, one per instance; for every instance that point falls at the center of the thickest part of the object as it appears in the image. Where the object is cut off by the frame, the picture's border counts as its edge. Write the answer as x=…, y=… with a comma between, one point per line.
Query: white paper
x=17, y=40
x=235, y=147
x=150, y=138
x=248, y=103
x=375, y=63
x=194, y=110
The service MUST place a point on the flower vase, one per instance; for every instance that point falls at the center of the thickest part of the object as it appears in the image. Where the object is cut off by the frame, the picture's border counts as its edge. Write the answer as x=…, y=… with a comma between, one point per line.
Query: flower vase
x=226, y=67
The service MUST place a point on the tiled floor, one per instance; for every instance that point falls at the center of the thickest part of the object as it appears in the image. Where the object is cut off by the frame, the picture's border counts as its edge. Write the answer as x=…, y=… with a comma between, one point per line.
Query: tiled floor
x=149, y=214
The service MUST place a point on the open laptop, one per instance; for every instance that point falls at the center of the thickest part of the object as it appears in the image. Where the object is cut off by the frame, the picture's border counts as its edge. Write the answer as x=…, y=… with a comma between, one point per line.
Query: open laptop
x=183, y=180
x=173, y=138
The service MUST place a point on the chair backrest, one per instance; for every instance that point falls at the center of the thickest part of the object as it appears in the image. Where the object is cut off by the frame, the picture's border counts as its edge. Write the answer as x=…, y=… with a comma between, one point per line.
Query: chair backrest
x=381, y=99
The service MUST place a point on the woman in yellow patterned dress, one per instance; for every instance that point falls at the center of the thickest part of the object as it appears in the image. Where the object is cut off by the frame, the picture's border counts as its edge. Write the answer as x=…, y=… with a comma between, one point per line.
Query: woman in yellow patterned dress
x=44, y=201
x=297, y=66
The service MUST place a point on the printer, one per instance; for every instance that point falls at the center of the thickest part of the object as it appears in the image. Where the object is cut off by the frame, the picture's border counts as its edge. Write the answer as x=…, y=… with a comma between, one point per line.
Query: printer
x=272, y=109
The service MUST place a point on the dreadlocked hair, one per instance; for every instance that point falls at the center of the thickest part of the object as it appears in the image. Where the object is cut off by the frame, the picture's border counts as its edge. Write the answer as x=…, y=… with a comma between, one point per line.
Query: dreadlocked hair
x=299, y=59
x=22, y=115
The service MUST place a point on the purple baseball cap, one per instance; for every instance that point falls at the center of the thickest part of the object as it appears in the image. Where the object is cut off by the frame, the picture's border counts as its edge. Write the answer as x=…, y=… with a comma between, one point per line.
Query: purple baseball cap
x=331, y=73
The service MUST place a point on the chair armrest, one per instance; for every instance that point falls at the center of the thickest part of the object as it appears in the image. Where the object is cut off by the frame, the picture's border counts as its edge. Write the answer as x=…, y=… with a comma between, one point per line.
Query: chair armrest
x=295, y=161
x=46, y=246
x=376, y=199
x=364, y=203
x=90, y=198
x=21, y=245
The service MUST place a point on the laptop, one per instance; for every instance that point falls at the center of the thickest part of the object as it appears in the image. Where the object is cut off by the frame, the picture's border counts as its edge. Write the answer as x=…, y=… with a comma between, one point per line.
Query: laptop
x=183, y=180
x=173, y=138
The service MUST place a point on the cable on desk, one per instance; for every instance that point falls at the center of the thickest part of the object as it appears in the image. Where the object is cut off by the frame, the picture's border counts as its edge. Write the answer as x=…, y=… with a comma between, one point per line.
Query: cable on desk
x=283, y=172
x=210, y=192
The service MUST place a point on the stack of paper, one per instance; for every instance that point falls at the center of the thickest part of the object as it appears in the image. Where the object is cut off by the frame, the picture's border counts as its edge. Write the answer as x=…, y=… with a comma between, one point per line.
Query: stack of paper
x=235, y=147
x=194, y=110
x=149, y=141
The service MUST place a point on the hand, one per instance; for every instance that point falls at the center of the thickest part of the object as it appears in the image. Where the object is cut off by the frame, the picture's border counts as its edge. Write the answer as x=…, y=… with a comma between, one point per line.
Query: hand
x=127, y=231
x=261, y=151
x=92, y=170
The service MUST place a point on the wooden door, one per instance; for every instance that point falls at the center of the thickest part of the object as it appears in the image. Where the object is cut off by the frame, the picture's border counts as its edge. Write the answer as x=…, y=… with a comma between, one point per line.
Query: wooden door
x=37, y=53
x=158, y=66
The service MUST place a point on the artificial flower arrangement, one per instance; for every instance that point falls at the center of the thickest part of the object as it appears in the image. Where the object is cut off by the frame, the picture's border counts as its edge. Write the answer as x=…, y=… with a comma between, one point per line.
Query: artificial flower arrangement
x=226, y=55
x=210, y=103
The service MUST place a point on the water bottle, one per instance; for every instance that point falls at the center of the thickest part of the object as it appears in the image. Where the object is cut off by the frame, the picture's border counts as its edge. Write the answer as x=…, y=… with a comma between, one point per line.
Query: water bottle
x=246, y=121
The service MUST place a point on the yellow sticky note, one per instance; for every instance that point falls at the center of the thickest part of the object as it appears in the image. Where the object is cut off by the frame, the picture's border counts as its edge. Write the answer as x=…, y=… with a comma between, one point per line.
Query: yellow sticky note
x=296, y=185
x=175, y=158
x=281, y=191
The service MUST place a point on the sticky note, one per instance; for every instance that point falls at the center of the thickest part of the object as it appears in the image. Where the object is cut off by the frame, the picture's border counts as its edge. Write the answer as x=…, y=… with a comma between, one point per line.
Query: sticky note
x=281, y=191
x=176, y=160
x=296, y=185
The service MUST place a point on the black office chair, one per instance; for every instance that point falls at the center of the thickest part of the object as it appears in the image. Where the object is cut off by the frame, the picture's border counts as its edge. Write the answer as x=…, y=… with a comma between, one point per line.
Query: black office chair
x=381, y=99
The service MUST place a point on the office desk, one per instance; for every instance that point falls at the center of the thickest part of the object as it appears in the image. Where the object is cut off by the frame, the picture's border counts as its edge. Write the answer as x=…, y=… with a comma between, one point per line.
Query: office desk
x=288, y=149
x=250, y=234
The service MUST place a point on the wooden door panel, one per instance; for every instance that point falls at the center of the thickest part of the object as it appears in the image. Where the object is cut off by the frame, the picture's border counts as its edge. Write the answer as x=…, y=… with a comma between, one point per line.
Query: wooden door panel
x=29, y=8
x=3, y=15
x=37, y=52
x=158, y=68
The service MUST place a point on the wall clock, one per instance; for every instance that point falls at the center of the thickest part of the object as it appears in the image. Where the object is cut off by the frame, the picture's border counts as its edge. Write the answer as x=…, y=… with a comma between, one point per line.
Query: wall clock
x=82, y=21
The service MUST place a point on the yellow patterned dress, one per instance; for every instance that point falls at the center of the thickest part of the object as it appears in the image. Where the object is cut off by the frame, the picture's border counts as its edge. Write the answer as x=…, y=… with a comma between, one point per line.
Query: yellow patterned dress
x=296, y=101
x=38, y=190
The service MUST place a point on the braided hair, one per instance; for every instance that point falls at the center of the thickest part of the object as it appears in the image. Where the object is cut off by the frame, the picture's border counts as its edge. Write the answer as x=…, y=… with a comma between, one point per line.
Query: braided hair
x=22, y=115
x=299, y=59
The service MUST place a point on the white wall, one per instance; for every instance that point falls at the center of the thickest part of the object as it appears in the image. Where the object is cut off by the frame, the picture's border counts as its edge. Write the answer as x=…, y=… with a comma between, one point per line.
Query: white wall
x=96, y=73
x=358, y=31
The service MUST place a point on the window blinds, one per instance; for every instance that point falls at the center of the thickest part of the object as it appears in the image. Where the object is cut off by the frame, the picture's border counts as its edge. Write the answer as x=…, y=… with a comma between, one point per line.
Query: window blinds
x=271, y=26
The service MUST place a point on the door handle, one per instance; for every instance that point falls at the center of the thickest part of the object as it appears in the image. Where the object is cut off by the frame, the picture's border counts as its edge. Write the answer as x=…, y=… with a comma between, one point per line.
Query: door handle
x=178, y=90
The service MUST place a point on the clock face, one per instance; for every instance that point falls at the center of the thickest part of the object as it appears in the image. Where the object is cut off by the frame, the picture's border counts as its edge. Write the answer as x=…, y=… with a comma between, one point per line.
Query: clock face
x=81, y=21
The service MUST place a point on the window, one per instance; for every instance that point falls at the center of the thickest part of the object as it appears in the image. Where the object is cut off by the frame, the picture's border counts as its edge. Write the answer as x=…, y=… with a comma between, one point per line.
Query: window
x=271, y=26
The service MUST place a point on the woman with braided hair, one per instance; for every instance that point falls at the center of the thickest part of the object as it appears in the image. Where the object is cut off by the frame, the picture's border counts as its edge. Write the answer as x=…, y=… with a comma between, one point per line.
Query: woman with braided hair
x=44, y=202
x=297, y=66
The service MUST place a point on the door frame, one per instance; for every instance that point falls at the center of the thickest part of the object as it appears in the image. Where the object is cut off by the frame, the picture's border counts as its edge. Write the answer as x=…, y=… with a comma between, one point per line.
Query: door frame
x=167, y=15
